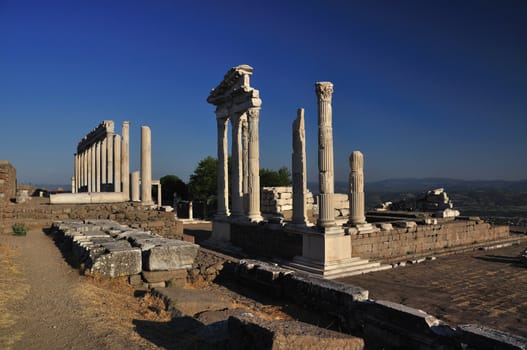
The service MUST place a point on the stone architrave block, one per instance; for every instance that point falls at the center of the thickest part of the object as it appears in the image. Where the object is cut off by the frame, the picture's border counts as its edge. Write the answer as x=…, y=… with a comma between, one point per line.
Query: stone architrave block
x=249, y=332
x=118, y=262
x=171, y=255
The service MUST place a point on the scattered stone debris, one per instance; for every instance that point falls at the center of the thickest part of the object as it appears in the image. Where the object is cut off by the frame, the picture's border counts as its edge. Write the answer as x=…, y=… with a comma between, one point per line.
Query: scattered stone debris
x=110, y=249
x=523, y=257
x=435, y=201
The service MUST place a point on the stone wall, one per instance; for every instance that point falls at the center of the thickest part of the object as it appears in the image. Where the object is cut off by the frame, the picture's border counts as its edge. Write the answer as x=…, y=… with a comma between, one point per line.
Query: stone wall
x=132, y=214
x=400, y=243
x=382, y=324
x=279, y=200
x=7, y=181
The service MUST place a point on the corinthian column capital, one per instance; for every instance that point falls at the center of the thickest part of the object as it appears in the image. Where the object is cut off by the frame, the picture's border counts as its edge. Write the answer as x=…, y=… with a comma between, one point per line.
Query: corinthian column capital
x=324, y=90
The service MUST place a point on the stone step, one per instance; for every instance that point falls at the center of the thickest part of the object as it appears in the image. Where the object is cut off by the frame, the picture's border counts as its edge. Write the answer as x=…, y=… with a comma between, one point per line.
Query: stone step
x=354, y=266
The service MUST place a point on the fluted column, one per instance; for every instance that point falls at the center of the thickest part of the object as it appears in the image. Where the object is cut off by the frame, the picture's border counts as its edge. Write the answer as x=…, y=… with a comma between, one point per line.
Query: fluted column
x=356, y=189
x=97, y=166
x=109, y=161
x=299, y=170
x=93, y=177
x=75, y=181
x=326, y=217
x=125, y=159
x=245, y=164
x=236, y=154
x=254, y=213
x=117, y=162
x=85, y=170
x=223, y=168
x=104, y=165
x=146, y=166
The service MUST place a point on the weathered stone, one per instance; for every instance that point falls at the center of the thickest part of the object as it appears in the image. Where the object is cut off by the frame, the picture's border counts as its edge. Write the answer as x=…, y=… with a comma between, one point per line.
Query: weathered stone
x=170, y=256
x=481, y=337
x=249, y=332
x=118, y=263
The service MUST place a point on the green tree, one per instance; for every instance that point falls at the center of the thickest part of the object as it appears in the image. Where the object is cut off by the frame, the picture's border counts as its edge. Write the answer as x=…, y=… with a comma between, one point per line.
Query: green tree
x=171, y=184
x=203, y=182
x=271, y=178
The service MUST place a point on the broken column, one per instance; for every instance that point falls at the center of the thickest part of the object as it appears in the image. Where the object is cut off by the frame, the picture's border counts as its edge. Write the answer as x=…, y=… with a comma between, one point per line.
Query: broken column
x=146, y=166
x=299, y=170
x=356, y=189
x=326, y=217
x=134, y=190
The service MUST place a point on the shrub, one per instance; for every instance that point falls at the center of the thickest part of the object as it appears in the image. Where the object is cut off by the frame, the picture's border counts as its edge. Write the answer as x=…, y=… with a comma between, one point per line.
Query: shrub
x=19, y=229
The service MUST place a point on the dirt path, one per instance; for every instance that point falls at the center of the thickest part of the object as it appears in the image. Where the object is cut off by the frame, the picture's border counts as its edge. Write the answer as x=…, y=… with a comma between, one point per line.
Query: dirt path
x=46, y=304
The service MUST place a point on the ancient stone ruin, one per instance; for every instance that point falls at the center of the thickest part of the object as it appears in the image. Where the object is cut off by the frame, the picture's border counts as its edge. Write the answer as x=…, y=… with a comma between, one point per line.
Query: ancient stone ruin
x=7, y=181
x=434, y=201
x=102, y=168
x=110, y=249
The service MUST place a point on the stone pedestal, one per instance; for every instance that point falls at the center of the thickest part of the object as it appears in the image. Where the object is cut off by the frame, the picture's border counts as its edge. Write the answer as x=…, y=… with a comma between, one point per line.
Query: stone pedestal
x=221, y=231
x=146, y=166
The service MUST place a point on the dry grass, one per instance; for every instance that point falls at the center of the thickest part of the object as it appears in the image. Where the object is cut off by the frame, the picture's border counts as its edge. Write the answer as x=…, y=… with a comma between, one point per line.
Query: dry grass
x=111, y=305
x=13, y=289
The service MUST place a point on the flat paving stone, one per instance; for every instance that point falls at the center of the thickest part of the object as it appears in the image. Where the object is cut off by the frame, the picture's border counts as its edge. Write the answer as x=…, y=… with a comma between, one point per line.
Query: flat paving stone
x=482, y=287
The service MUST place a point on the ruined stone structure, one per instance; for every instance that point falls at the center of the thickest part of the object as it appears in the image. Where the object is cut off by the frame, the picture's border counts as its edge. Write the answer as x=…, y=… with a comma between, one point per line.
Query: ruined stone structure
x=102, y=167
x=237, y=101
x=97, y=161
x=278, y=201
x=7, y=181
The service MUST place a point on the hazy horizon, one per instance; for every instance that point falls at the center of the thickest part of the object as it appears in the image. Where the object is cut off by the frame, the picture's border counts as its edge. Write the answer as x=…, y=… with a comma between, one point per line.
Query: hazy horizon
x=423, y=89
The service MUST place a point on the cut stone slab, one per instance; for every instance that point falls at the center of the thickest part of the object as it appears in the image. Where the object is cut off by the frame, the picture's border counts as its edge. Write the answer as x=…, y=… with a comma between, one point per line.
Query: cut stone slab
x=117, y=263
x=189, y=302
x=482, y=337
x=171, y=255
x=250, y=332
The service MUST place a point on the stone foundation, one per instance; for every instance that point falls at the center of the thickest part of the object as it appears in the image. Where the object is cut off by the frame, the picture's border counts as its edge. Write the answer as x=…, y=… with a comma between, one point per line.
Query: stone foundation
x=409, y=240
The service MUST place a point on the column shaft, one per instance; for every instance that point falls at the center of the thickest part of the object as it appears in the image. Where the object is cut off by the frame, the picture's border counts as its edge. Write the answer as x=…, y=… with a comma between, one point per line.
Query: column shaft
x=356, y=189
x=299, y=170
x=245, y=164
x=254, y=213
x=117, y=162
x=110, y=162
x=223, y=168
x=125, y=159
x=326, y=218
x=236, y=156
x=93, y=170
x=146, y=166
x=97, y=166
x=134, y=182
x=104, y=165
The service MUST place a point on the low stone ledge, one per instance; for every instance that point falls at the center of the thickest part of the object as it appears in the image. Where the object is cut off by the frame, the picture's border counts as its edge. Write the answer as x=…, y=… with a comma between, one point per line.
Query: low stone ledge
x=484, y=338
x=249, y=332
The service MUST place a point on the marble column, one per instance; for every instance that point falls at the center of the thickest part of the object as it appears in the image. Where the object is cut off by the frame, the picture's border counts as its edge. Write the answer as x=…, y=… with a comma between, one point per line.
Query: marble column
x=104, y=165
x=159, y=195
x=223, y=168
x=326, y=217
x=134, y=184
x=254, y=213
x=75, y=179
x=93, y=169
x=146, y=166
x=97, y=166
x=245, y=164
x=236, y=157
x=117, y=162
x=125, y=159
x=299, y=170
x=109, y=161
x=85, y=171
x=356, y=189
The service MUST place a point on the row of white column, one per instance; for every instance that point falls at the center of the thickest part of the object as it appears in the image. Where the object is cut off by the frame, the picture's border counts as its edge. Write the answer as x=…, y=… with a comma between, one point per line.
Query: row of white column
x=245, y=185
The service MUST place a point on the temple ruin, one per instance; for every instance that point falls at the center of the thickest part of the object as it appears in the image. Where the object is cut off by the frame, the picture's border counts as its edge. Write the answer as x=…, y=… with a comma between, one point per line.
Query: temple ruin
x=102, y=168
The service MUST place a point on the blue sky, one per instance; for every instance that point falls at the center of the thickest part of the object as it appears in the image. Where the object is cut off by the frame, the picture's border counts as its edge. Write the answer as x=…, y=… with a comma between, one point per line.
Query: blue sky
x=422, y=88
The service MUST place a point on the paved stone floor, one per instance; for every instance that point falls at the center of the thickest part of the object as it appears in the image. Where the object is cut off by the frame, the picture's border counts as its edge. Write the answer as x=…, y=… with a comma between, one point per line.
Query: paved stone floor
x=485, y=287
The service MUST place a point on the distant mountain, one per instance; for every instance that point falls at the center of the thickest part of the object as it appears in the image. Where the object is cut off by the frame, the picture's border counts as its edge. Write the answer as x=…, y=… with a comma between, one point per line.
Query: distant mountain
x=450, y=185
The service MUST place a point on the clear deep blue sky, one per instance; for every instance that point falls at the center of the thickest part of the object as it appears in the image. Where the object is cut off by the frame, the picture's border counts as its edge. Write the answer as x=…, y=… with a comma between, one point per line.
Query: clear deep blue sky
x=422, y=88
